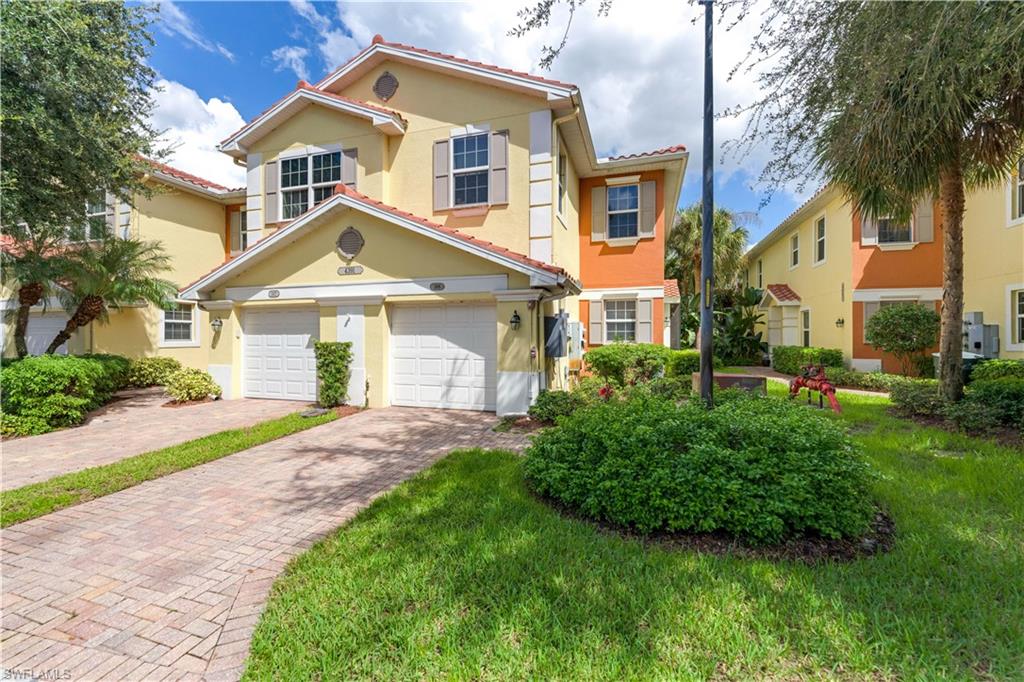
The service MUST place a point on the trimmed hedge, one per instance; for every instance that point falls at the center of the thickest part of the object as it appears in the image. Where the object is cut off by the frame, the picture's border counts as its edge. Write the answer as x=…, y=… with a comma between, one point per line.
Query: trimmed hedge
x=189, y=383
x=153, y=371
x=683, y=363
x=628, y=363
x=998, y=369
x=333, y=369
x=1003, y=398
x=46, y=392
x=919, y=397
x=759, y=468
x=789, y=359
x=868, y=381
x=550, y=405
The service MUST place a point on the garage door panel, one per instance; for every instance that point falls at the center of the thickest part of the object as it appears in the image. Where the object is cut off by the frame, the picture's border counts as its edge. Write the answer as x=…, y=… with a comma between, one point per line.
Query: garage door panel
x=280, y=362
x=444, y=356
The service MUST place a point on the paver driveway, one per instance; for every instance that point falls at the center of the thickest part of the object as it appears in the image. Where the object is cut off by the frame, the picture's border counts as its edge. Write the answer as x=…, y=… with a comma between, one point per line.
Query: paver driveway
x=167, y=579
x=138, y=423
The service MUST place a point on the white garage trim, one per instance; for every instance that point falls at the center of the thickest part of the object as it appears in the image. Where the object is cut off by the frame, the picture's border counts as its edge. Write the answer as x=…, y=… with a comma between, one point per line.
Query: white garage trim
x=471, y=284
x=277, y=353
x=444, y=356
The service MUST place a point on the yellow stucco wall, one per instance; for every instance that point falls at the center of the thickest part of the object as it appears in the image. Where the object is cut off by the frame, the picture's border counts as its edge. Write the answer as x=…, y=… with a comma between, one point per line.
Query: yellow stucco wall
x=824, y=288
x=993, y=260
x=565, y=230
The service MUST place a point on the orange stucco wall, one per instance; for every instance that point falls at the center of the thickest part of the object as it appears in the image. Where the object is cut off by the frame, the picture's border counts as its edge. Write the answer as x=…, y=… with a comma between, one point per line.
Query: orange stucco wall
x=862, y=350
x=920, y=266
x=657, y=321
x=643, y=264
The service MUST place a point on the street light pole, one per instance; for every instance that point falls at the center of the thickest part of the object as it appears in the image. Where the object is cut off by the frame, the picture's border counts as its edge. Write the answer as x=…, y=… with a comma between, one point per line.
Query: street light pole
x=707, y=281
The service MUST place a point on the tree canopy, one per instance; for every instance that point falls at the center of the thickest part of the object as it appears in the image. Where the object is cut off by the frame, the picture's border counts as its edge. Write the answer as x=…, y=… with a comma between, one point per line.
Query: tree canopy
x=683, y=247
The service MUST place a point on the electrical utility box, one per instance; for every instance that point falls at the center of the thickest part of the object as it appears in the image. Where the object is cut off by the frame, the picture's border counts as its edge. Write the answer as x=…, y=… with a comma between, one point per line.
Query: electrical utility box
x=979, y=337
x=556, y=335
x=575, y=340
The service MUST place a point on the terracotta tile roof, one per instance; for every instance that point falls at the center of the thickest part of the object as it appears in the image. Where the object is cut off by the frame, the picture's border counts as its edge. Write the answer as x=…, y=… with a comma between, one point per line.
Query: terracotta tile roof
x=379, y=40
x=303, y=85
x=363, y=199
x=783, y=293
x=656, y=152
x=188, y=177
x=671, y=288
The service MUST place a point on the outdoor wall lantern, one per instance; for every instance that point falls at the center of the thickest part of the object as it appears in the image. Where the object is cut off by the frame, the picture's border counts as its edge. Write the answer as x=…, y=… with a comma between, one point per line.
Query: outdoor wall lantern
x=217, y=324
x=840, y=322
x=515, y=321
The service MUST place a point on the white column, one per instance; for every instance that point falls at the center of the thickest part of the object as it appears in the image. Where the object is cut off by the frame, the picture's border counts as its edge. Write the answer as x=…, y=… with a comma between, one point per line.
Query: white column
x=351, y=328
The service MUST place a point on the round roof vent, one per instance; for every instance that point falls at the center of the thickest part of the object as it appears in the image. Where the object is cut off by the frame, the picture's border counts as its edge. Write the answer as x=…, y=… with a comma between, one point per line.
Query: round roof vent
x=385, y=86
x=350, y=243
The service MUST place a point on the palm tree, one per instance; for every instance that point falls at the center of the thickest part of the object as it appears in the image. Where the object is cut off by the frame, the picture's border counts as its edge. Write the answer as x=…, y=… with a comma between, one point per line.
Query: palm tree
x=110, y=274
x=31, y=261
x=683, y=247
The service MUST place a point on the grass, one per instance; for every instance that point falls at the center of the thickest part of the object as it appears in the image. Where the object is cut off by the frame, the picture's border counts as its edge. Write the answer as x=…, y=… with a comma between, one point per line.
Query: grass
x=37, y=499
x=461, y=573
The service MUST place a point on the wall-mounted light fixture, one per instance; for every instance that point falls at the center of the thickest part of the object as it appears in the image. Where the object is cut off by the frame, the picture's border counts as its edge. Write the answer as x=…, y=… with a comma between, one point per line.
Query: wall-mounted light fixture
x=840, y=322
x=515, y=321
x=216, y=324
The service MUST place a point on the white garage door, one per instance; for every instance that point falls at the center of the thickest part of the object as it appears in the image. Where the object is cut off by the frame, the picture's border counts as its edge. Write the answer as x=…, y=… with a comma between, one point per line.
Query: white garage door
x=444, y=356
x=279, y=359
x=41, y=331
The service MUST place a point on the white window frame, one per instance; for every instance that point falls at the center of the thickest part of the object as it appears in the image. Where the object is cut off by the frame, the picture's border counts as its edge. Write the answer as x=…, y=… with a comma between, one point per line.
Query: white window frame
x=605, y=326
x=794, y=249
x=760, y=273
x=1013, y=316
x=562, y=170
x=87, y=226
x=610, y=212
x=310, y=186
x=181, y=343
x=820, y=240
x=1015, y=191
x=805, y=330
x=246, y=237
x=452, y=172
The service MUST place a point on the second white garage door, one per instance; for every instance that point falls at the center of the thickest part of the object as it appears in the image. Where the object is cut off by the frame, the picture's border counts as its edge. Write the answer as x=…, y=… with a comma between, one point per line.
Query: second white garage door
x=444, y=356
x=279, y=359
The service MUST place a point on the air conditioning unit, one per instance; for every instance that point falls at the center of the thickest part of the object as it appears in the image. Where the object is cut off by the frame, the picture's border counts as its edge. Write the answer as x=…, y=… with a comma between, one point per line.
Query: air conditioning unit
x=979, y=337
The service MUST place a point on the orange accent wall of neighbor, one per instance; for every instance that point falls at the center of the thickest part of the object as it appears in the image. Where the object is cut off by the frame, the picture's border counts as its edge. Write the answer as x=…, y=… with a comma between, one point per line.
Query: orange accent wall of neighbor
x=657, y=321
x=861, y=350
x=603, y=266
x=920, y=266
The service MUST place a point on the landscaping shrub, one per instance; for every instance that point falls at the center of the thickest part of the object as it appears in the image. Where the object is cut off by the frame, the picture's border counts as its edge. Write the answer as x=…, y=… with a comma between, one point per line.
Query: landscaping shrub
x=115, y=372
x=189, y=384
x=153, y=371
x=550, y=405
x=757, y=467
x=998, y=369
x=592, y=389
x=683, y=363
x=789, y=359
x=672, y=388
x=970, y=417
x=333, y=369
x=50, y=391
x=906, y=330
x=628, y=362
x=919, y=397
x=1003, y=398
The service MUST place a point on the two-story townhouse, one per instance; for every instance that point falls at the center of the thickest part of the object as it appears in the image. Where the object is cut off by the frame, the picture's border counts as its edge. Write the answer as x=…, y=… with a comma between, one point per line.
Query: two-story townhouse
x=445, y=216
x=825, y=271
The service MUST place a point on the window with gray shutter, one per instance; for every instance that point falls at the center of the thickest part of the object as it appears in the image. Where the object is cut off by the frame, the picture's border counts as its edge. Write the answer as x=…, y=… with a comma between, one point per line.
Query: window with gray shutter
x=648, y=208
x=499, y=167
x=595, y=329
x=599, y=214
x=270, y=190
x=349, y=167
x=868, y=231
x=442, y=187
x=924, y=221
x=644, y=323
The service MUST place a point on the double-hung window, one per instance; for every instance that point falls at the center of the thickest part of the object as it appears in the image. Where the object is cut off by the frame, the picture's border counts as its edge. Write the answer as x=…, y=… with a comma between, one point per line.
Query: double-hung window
x=95, y=223
x=1017, y=316
x=241, y=237
x=178, y=326
x=892, y=231
x=623, y=211
x=308, y=180
x=819, y=240
x=620, y=320
x=805, y=327
x=760, y=274
x=794, y=251
x=1017, y=193
x=470, y=169
x=562, y=183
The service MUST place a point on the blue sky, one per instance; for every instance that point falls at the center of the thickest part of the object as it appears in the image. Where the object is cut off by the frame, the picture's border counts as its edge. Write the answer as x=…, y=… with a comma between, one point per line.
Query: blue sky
x=222, y=63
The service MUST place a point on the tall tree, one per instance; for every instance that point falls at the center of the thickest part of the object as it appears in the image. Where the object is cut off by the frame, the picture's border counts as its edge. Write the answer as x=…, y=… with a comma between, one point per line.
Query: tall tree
x=112, y=273
x=683, y=247
x=74, y=118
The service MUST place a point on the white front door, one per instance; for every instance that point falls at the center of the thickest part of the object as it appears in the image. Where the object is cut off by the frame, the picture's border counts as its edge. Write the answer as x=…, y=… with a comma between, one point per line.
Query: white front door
x=41, y=331
x=444, y=356
x=278, y=352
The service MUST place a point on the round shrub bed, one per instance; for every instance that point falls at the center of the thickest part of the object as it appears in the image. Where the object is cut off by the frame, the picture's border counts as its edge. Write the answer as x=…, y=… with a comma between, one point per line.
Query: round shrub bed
x=760, y=469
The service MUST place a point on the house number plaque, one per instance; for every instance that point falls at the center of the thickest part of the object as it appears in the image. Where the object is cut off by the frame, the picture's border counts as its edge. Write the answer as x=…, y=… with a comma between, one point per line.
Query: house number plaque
x=350, y=270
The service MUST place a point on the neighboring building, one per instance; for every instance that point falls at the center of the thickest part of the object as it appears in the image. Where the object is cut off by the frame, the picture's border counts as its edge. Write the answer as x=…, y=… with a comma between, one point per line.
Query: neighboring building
x=825, y=272
x=443, y=215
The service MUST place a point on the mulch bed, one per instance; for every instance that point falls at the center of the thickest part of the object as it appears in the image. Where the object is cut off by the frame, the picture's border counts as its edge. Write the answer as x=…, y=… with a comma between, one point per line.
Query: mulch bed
x=347, y=410
x=187, y=403
x=1004, y=435
x=804, y=549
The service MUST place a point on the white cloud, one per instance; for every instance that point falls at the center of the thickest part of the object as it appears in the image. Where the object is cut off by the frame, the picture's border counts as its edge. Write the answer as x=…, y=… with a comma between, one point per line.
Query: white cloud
x=193, y=128
x=174, y=21
x=333, y=44
x=291, y=57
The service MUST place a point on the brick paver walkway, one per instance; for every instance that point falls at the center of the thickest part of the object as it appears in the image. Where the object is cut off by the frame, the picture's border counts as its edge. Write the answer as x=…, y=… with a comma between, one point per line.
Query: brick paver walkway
x=125, y=428
x=166, y=580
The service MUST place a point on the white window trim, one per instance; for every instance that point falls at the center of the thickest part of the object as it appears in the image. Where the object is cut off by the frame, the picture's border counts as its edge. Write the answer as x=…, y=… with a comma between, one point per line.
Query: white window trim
x=253, y=232
x=468, y=131
x=810, y=335
x=760, y=273
x=823, y=238
x=561, y=166
x=1012, y=187
x=791, y=250
x=623, y=241
x=1011, y=317
x=308, y=153
x=194, y=342
x=604, y=317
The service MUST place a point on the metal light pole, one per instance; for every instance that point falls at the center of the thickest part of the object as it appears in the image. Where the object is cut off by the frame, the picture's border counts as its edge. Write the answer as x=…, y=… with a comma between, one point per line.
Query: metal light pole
x=707, y=277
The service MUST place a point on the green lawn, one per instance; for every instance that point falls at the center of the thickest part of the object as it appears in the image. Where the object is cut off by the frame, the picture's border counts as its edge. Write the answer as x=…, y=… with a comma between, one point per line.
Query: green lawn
x=37, y=499
x=460, y=573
